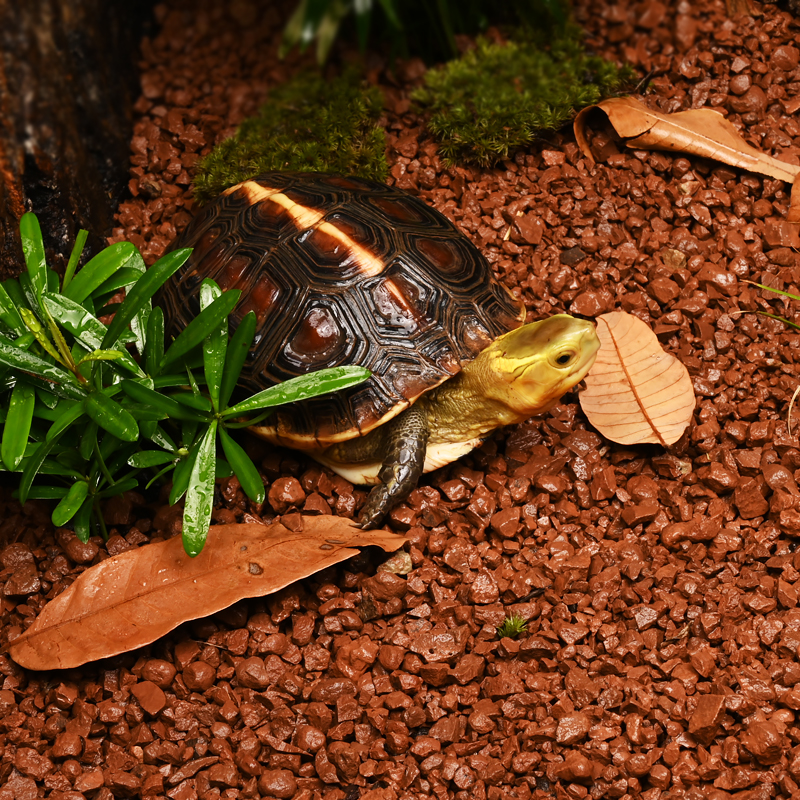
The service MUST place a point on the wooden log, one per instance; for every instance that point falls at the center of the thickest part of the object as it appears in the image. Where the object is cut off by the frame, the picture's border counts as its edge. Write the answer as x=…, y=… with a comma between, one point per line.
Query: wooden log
x=68, y=80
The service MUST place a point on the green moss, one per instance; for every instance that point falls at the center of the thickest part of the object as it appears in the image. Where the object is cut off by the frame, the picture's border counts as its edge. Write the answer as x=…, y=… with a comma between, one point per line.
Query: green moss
x=512, y=627
x=308, y=124
x=497, y=98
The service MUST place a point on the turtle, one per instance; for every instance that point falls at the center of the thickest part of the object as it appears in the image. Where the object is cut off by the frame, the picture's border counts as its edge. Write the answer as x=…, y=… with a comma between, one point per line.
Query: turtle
x=342, y=270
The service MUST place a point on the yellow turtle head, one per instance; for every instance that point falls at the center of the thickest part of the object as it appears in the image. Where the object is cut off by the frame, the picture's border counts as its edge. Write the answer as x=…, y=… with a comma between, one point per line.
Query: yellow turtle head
x=533, y=366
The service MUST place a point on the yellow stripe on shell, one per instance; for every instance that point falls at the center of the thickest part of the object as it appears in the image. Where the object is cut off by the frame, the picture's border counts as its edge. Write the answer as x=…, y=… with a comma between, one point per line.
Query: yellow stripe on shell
x=306, y=218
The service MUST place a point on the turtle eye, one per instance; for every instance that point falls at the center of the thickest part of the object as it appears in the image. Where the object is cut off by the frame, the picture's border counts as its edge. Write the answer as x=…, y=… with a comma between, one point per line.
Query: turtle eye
x=565, y=358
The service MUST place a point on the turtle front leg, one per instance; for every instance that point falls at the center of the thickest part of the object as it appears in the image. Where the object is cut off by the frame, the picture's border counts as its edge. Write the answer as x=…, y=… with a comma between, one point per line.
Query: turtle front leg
x=405, y=445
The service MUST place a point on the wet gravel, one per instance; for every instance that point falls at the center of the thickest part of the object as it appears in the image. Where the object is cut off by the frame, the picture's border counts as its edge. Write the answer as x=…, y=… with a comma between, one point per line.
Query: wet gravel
x=660, y=587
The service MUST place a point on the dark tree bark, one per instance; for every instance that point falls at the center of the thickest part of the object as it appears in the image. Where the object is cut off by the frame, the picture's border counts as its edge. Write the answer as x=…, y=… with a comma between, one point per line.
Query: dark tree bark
x=68, y=80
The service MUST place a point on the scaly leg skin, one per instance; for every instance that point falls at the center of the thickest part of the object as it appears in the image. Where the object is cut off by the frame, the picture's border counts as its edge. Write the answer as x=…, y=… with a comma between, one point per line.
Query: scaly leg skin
x=406, y=443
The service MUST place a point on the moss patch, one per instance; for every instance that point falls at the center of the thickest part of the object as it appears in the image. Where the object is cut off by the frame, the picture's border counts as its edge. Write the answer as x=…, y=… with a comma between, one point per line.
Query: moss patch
x=497, y=98
x=309, y=124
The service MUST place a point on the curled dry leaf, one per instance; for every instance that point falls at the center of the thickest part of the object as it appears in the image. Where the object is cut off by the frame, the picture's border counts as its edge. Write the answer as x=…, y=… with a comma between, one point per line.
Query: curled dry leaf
x=132, y=599
x=700, y=131
x=636, y=392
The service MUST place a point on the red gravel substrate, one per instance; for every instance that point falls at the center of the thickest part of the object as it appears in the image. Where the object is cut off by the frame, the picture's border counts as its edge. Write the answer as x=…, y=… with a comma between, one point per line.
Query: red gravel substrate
x=661, y=588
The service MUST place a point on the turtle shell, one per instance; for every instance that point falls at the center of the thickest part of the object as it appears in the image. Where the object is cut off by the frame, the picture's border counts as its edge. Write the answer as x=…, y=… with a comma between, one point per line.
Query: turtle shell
x=341, y=270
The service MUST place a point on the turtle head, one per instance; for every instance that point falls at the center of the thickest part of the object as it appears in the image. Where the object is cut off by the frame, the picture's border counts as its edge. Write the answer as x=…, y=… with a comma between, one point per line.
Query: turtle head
x=533, y=366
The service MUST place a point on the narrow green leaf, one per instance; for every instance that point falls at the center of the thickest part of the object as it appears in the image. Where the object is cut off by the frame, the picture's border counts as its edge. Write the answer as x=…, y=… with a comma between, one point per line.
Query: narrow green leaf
x=200, y=495
x=183, y=471
x=243, y=466
x=36, y=328
x=160, y=437
x=214, y=345
x=119, y=487
x=102, y=355
x=70, y=414
x=15, y=292
x=89, y=331
x=141, y=292
x=173, y=409
x=82, y=523
x=150, y=458
x=238, y=349
x=198, y=402
x=143, y=413
x=18, y=424
x=111, y=416
x=33, y=249
x=23, y=361
x=47, y=398
x=154, y=347
x=301, y=388
x=74, y=258
x=98, y=270
x=197, y=330
x=47, y=492
x=9, y=314
x=125, y=276
x=88, y=441
x=70, y=503
x=32, y=465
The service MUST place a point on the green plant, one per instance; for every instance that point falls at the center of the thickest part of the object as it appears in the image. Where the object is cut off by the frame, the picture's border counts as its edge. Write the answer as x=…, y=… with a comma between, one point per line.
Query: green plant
x=499, y=97
x=512, y=627
x=83, y=417
x=308, y=124
x=411, y=27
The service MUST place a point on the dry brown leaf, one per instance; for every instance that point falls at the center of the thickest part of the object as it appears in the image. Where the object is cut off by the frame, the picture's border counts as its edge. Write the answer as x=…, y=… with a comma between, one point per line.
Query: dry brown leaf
x=636, y=392
x=700, y=131
x=132, y=599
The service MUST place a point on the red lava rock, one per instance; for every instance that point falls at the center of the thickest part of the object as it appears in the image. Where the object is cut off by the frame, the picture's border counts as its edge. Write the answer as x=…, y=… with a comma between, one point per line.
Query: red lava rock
x=150, y=696
x=484, y=589
x=160, y=672
x=576, y=768
x=749, y=500
x=279, y=783
x=385, y=585
x=252, y=673
x=285, y=493
x=572, y=728
x=199, y=676
x=765, y=741
x=707, y=716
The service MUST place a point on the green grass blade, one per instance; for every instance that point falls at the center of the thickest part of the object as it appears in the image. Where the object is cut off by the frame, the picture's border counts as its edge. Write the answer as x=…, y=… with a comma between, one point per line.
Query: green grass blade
x=243, y=467
x=214, y=345
x=239, y=347
x=206, y=321
x=141, y=292
x=18, y=424
x=111, y=417
x=301, y=388
x=773, y=290
x=70, y=504
x=33, y=249
x=200, y=495
x=98, y=270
